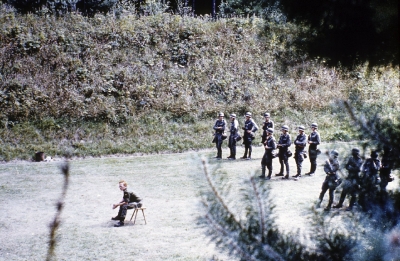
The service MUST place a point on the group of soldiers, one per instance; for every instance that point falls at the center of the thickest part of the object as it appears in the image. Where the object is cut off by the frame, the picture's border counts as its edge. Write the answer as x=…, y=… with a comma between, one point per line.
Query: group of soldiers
x=367, y=185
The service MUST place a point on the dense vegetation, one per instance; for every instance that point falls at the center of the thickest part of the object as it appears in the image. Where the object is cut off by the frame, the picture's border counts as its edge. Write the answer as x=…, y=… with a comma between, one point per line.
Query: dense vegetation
x=128, y=84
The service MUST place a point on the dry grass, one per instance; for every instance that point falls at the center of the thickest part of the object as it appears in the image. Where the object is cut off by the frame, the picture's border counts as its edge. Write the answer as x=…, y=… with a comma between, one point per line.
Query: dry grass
x=169, y=185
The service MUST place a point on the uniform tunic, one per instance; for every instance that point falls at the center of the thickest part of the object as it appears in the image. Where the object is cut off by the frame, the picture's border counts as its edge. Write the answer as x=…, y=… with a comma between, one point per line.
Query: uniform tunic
x=331, y=167
x=300, y=143
x=232, y=137
x=353, y=167
x=218, y=135
x=265, y=127
x=285, y=142
x=129, y=198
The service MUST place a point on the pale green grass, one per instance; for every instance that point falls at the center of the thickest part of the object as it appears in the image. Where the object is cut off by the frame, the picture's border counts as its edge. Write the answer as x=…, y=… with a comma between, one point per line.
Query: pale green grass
x=169, y=185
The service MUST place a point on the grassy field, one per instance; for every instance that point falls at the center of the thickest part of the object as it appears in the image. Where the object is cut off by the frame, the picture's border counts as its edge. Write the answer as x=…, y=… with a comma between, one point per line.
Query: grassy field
x=170, y=185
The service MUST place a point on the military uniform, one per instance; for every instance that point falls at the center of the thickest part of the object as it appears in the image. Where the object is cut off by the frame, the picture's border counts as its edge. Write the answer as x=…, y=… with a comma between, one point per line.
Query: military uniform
x=233, y=136
x=369, y=181
x=249, y=125
x=331, y=180
x=131, y=201
x=218, y=136
x=300, y=143
x=285, y=142
x=266, y=125
x=353, y=167
x=266, y=161
x=315, y=140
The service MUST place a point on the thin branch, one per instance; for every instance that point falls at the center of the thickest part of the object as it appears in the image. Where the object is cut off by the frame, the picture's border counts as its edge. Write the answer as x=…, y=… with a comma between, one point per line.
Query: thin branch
x=221, y=201
x=60, y=204
x=267, y=248
x=260, y=210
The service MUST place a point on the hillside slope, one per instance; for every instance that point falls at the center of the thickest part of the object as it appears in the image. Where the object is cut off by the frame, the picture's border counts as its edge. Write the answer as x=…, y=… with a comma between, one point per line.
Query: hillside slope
x=102, y=85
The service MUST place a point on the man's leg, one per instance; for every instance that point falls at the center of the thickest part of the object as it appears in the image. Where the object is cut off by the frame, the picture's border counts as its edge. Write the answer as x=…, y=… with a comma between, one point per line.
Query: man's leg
x=262, y=171
x=269, y=166
x=246, y=149
x=250, y=149
x=122, y=214
x=331, y=198
x=323, y=191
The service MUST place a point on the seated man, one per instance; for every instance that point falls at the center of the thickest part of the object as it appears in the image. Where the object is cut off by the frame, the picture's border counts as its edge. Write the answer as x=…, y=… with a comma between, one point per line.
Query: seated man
x=129, y=201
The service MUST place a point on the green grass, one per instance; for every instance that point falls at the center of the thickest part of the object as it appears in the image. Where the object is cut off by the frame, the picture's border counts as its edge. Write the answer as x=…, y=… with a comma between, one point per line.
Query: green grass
x=170, y=185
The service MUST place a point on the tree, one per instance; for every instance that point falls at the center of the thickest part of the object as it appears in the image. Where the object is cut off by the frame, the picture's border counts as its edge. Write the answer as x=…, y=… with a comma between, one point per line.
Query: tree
x=358, y=235
x=348, y=32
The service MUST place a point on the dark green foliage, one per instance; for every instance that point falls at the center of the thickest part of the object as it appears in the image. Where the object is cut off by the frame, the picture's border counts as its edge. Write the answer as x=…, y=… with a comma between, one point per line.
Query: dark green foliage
x=26, y=6
x=60, y=7
x=349, y=32
x=255, y=236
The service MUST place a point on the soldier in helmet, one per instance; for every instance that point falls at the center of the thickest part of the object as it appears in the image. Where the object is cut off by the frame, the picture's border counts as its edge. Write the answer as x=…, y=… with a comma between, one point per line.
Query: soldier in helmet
x=233, y=136
x=369, y=181
x=353, y=167
x=268, y=124
x=219, y=128
x=300, y=143
x=283, y=144
x=332, y=179
x=313, y=140
x=269, y=145
x=249, y=128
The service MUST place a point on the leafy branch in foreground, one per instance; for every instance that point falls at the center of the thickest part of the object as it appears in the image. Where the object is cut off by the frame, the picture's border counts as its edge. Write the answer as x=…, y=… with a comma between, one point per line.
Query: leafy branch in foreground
x=242, y=224
x=60, y=204
x=254, y=235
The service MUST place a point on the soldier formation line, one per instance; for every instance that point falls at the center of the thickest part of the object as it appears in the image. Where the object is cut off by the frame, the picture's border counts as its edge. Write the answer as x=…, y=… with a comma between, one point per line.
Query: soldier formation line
x=367, y=180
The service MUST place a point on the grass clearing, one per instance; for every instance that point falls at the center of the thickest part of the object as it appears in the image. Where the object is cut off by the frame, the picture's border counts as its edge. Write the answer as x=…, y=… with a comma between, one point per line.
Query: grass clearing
x=169, y=185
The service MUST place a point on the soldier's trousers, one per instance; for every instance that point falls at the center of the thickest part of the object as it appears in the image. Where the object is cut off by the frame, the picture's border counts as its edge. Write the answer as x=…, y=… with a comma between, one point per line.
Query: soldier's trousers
x=248, y=148
x=283, y=160
x=326, y=187
x=299, y=161
x=218, y=144
x=268, y=165
x=351, y=189
x=124, y=209
x=313, y=161
x=232, y=145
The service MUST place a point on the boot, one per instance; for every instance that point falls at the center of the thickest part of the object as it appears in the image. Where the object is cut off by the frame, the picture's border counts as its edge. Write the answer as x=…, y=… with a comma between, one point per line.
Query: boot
x=269, y=175
x=286, y=177
x=245, y=154
x=318, y=205
x=262, y=172
x=119, y=224
x=329, y=206
x=341, y=200
x=249, y=156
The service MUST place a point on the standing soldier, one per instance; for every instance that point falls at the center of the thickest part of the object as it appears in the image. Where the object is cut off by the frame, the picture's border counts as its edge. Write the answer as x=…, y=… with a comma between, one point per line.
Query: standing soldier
x=219, y=128
x=233, y=136
x=386, y=169
x=353, y=166
x=269, y=145
x=332, y=179
x=369, y=181
x=300, y=143
x=249, y=128
x=266, y=125
x=283, y=145
x=314, y=140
